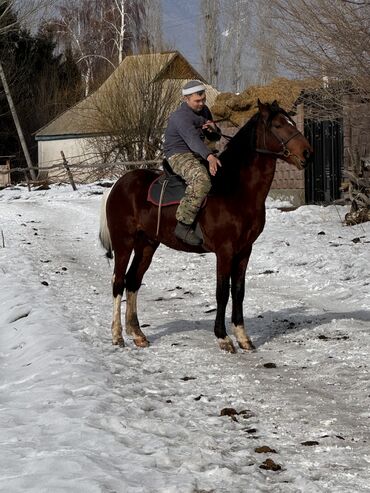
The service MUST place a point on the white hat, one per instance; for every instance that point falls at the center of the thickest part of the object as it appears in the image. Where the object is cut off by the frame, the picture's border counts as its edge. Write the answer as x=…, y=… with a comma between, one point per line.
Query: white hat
x=193, y=86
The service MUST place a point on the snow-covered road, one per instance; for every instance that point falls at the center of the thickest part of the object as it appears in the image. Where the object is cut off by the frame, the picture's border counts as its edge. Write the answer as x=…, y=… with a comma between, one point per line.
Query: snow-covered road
x=79, y=415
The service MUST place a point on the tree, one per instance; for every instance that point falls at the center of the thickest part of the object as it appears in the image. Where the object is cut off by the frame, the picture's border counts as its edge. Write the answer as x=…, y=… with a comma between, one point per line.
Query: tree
x=42, y=84
x=265, y=42
x=210, y=40
x=235, y=71
x=325, y=38
x=100, y=33
x=14, y=14
x=132, y=111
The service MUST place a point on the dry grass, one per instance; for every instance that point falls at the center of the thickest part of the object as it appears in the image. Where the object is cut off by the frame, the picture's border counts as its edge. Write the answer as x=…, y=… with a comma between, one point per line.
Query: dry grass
x=238, y=108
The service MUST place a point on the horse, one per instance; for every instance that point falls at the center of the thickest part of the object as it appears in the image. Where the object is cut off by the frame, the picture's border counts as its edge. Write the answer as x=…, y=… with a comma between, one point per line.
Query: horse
x=231, y=221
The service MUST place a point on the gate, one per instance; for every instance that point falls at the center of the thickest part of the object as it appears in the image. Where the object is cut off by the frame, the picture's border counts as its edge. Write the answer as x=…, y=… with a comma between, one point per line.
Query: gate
x=324, y=175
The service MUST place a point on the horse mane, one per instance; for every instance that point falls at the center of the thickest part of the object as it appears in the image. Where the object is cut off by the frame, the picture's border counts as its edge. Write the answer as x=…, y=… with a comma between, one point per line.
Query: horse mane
x=243, y=140
x=239, y=151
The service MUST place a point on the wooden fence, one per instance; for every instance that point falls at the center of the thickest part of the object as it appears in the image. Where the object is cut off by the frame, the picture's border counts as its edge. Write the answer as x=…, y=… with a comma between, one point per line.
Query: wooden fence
x=80, y=170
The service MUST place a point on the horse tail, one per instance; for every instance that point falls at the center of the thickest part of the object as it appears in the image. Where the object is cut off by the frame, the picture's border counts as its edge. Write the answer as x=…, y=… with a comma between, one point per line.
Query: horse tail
x=104, y=234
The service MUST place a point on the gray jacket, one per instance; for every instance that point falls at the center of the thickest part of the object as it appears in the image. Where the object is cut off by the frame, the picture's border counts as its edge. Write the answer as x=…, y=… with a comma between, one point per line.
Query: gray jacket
x=184, y=132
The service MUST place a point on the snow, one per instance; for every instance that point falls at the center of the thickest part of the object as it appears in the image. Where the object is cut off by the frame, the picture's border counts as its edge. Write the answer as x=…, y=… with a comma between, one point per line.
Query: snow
x=79, y=415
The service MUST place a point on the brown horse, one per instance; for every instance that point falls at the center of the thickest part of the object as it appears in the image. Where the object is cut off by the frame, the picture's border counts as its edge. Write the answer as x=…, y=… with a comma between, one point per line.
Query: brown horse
x=232, y=220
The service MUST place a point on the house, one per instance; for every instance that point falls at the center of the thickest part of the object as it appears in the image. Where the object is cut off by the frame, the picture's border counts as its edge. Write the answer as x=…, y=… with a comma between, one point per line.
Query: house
x=77, y=131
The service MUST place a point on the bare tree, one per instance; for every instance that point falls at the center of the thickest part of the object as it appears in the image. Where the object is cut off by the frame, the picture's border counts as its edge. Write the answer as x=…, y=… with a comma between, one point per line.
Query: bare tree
x=210, y=40
x=264, y=44
x=131, y=110
x=26, y=11
x=324, y=38
x=100, y=33
x=119, y=26
x=152, y=25
x=234, y=61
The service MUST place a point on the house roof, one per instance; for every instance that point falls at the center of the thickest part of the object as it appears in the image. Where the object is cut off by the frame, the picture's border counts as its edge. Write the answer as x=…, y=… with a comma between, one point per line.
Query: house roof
x=170, y=67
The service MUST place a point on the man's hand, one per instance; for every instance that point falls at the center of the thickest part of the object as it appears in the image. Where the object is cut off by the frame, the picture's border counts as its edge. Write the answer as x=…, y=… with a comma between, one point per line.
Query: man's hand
x=210, y=125
x=214, y=162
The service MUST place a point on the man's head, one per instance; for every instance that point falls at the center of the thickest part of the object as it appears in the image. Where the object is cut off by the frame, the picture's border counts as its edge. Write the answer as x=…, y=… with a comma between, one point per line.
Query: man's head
x=194, y=93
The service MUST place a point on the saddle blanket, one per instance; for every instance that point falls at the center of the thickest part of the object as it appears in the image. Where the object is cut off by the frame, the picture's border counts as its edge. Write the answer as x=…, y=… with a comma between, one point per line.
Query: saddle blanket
x=173, y=192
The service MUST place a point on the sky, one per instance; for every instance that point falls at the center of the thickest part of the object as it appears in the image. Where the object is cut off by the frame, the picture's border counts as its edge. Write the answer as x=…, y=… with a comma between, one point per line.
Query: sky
x=181, y=24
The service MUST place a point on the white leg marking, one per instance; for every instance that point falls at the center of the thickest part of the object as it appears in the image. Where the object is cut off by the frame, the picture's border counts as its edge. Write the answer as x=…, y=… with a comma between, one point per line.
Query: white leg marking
x=116, y=324
x=242, y=337
x=227, y=345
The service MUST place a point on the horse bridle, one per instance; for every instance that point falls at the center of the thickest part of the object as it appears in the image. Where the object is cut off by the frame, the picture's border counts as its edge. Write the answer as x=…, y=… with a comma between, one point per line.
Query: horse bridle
x=285, y=152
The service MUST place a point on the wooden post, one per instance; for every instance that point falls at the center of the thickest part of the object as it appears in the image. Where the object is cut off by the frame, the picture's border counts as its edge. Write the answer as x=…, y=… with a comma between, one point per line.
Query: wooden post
x=27, y=180
x=69, y=172
x=16, y=122
x=7, y=168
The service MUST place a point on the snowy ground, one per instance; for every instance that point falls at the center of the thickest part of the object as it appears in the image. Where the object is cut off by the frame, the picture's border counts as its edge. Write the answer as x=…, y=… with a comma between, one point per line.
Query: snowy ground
x=79, y=415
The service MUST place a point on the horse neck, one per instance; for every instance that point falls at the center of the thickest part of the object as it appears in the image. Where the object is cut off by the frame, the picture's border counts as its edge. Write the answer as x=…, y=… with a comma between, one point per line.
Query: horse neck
x=256, y=179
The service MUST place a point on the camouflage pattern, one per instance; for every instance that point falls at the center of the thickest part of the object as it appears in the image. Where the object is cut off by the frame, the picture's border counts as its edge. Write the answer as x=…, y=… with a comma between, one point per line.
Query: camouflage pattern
x=198, y=182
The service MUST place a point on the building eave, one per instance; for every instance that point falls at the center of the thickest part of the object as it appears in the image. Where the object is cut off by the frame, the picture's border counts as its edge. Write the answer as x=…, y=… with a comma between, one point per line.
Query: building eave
x=41, y=138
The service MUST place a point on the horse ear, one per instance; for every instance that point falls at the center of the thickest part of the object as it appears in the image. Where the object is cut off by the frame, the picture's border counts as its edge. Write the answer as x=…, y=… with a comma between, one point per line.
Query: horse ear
x=264, y=110
x=275, y=105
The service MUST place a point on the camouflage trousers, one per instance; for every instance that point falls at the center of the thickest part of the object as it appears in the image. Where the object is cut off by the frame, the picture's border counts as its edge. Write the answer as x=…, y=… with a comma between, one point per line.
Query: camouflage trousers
x=198, y=184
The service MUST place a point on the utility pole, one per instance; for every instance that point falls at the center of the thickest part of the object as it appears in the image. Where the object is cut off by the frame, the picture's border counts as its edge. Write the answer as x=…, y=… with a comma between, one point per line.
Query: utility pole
x=16, y=122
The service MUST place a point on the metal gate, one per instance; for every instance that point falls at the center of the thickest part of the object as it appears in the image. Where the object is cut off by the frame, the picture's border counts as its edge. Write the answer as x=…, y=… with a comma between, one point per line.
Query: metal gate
x=324, y=175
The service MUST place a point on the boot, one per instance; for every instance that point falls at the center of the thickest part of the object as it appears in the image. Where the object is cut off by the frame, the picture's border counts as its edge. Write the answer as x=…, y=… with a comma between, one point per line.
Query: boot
x=185, y=233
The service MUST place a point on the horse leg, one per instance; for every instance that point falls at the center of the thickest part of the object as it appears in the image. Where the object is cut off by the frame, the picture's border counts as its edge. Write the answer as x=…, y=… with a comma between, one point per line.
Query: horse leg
x=144, y=252
x=237, y=292
x=222, y=297
x=121, y=259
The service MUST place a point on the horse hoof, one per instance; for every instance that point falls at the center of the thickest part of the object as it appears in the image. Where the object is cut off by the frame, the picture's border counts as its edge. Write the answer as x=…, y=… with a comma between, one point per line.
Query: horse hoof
x=227, y=345
x=118, y=342
x=246, y=345
x=141, y=342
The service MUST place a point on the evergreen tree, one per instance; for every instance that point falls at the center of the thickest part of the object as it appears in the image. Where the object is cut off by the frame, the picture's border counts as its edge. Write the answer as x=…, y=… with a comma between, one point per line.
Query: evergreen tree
x=42, y=84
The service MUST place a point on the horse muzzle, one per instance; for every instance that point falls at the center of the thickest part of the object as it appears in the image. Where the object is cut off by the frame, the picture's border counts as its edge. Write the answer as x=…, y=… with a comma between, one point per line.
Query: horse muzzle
x=303, y=163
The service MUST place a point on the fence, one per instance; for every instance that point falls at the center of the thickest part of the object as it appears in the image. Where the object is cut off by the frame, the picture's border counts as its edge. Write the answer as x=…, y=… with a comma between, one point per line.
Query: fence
x=5, y=170
x=80, y=170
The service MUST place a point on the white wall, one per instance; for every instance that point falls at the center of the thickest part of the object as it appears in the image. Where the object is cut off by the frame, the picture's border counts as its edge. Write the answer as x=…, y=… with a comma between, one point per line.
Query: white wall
x=75, y=150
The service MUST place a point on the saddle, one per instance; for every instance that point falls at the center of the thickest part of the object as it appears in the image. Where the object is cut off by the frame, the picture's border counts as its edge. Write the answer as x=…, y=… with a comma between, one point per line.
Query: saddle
x=167, y=189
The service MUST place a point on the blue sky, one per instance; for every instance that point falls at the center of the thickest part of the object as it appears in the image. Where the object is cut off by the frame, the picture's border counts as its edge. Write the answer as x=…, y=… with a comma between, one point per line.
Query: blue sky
x=180, y=25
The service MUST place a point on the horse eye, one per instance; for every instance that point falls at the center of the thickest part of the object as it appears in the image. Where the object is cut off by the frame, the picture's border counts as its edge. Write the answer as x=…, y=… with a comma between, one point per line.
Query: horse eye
x=277, y=125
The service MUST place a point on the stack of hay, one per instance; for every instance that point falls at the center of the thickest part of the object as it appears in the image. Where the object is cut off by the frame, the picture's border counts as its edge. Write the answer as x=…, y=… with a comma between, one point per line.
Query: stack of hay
x=239, y=108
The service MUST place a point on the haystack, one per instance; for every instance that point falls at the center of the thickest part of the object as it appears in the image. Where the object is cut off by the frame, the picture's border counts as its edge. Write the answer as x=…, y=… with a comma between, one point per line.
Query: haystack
x=239, y=108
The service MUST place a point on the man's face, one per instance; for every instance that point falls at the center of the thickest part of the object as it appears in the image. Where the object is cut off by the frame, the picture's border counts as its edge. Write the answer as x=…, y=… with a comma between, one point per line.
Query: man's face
x=196, y=101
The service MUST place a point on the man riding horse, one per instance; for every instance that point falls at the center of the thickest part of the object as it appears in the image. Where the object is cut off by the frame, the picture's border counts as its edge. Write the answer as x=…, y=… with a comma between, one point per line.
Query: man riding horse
x=188, y=130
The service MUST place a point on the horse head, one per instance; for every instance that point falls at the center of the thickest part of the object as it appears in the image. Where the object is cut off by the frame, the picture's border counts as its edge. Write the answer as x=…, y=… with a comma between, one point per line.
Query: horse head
x=277, y=135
